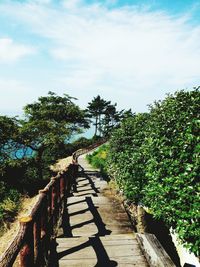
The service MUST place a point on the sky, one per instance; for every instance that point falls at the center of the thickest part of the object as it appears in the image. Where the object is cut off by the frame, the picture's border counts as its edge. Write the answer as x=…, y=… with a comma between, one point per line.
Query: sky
x=129, y=52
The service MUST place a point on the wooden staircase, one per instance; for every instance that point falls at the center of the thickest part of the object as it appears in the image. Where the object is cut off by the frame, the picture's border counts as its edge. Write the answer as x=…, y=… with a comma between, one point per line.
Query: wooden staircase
x=95, y=229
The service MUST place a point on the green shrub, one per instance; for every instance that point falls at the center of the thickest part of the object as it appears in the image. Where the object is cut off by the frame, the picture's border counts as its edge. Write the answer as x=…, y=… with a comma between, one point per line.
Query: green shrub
x=173, y=166
x=98, y=158
x=2, y=190
x=127, y=158
x=155, y=160
x=9, y=204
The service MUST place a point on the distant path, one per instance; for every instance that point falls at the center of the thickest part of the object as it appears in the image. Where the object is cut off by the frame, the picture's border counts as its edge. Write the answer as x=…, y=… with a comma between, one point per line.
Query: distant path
x=95, y=230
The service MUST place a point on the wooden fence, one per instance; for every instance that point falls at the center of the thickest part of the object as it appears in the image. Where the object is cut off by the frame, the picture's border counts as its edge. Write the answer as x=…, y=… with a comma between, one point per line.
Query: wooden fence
x=82, y=151
x=33, y=243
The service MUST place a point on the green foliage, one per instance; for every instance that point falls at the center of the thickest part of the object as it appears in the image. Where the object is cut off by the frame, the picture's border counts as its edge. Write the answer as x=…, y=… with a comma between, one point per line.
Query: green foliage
x=56, y=108
x=95, y=110
x=82, y=142
x=105, y=115
x=155, y=160
x=126, y=157
x=8, y=134
x=2, y=190
x=9, y=203
x=51, y=120
x=49, y=123
x=45, y=132
x=173, y=166
x=98, y=158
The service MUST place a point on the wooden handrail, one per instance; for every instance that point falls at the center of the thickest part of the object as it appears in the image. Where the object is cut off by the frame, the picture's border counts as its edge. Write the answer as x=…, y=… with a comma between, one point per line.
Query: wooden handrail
x=82, y=151
x=33, y=241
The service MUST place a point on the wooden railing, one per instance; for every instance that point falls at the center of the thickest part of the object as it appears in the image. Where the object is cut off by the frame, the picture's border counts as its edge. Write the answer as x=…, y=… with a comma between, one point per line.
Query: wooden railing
x=33, y=242
x=82, y=151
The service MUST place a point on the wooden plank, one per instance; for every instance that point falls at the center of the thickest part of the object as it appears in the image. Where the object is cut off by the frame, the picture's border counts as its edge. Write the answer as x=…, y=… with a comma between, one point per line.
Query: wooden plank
x=73, y=243
x=126, y=236
x=92, y=230
x=94, y=199
x=127, y=262
x=101, y=230
x=87, y=217
x=120, y=237
x=153, y=251
x=89, y=253
x=112, y=210
x=70, y=242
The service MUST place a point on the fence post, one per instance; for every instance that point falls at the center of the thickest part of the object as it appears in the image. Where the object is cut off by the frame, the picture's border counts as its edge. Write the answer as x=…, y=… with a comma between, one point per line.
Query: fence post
x=27, y=251
x=45, y=234
x=54, y=205
x=37, y=238
x=58, y=189
x=62, y=186
x=44, y=213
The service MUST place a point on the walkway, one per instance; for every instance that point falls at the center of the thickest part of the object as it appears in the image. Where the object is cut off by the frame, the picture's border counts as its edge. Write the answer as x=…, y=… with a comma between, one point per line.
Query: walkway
x=96, y=230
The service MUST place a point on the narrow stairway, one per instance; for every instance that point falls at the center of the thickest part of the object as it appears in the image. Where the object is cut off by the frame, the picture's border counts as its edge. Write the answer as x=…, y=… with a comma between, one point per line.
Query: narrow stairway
x=96, y=230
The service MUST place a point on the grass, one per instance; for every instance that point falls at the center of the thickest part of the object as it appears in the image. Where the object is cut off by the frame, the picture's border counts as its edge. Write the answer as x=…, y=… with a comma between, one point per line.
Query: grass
x=9, y=234
x=10, y=230
x=98, y=160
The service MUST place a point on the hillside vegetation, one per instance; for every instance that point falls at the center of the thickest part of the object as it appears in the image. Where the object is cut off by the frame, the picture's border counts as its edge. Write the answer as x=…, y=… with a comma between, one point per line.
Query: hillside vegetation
x=155, y=159
x=31, y=144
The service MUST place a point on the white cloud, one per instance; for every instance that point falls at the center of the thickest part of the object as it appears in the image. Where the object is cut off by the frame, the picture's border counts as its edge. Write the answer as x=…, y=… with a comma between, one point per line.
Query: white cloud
x=15, y=94
x=132, y=55
x=11, y=51
x=71, y=4
x=42, y=1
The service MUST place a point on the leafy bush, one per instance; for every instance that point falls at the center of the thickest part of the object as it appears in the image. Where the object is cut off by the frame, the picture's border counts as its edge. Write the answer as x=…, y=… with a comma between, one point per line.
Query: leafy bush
x=2, y=190
x=98, y=158
x=9, y=204
x=82, y=142
x=155, y=160
x=126, y=156
x=173, y=166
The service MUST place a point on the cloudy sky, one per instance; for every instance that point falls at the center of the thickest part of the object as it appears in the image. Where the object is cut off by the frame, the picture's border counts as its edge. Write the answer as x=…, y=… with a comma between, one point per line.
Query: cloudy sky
x=130, y=52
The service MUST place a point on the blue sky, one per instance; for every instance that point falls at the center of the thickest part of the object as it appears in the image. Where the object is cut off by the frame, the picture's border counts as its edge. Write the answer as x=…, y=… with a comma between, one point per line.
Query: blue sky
x=130, y=52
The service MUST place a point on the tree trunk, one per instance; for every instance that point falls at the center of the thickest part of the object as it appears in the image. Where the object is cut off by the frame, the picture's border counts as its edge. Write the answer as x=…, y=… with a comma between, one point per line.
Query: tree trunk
x=39, y=163
x=100, y=125
x=95, y=126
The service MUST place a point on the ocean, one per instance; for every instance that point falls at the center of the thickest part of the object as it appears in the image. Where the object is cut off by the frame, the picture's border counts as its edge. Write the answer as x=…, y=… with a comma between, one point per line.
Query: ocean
x=29, y=152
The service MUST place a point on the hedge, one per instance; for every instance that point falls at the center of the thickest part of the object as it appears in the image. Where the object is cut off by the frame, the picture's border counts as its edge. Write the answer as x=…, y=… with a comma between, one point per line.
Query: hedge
x=155, y=159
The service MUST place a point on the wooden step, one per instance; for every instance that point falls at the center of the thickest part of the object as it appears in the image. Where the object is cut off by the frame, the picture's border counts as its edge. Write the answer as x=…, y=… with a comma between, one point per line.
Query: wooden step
x=89, y=216
x=96, y=230
x=113, y=250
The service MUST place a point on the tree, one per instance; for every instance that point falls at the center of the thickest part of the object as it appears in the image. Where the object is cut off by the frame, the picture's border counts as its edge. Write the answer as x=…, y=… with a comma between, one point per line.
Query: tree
x=126, y=114
x=96, y=109
x=111, y=118
x=105, y=115
x=8, y=134
x=49, y=122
